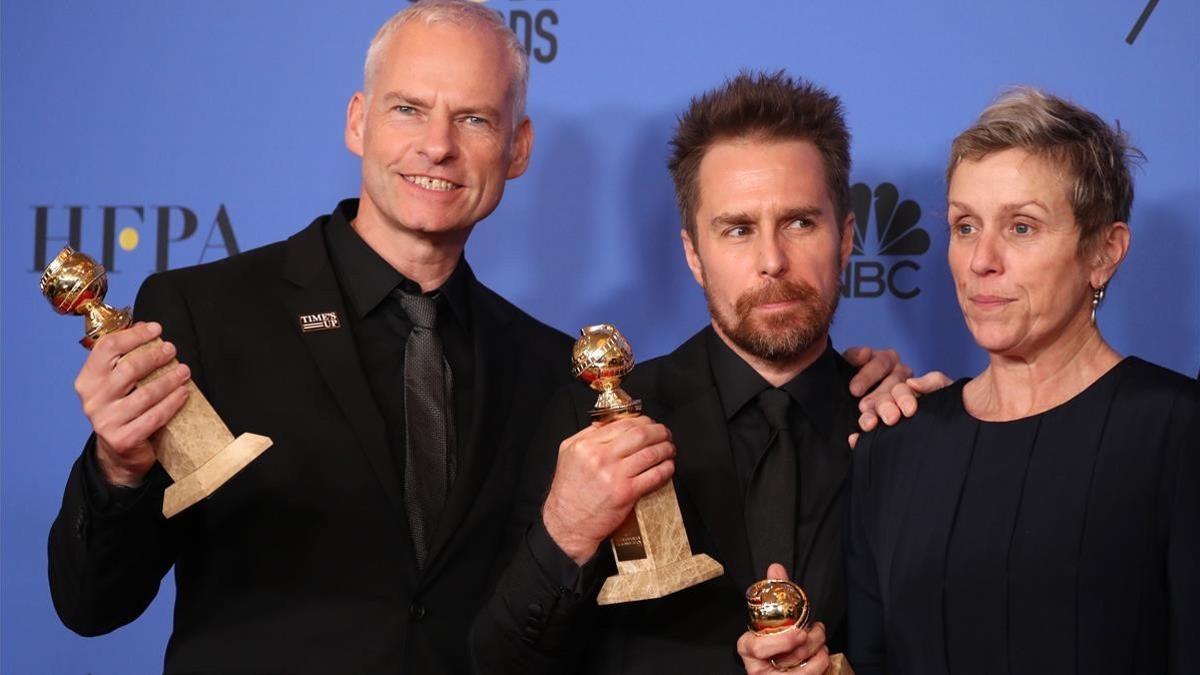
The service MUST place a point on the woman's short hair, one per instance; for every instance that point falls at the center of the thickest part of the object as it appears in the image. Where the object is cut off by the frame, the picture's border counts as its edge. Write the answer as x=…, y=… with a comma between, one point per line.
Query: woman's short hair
x=1097, y=157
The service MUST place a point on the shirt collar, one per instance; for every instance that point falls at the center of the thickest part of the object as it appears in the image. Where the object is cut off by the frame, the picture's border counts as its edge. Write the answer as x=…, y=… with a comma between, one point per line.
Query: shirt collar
x=367, y=279
x=816, y=389
x=737, y=382
x=813, y=390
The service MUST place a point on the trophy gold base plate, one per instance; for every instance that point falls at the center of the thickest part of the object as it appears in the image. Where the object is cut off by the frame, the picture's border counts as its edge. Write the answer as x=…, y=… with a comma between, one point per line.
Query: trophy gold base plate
x=212, y=474
x=659, y=581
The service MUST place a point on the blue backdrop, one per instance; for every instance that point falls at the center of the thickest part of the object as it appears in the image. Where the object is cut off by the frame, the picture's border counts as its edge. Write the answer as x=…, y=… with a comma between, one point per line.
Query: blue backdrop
x=168, y=133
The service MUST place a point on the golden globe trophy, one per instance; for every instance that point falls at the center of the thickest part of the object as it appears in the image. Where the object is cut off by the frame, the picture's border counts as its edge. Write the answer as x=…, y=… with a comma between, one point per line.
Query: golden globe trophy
x=653, y=555
x=776, y=606
x=195, y=446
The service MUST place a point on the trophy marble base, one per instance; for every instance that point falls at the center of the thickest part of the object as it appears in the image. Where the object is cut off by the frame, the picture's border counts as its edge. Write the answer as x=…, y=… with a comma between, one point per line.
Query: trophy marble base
x=196, y=448
x=653, y=555
x=660, y=581
x=212, y=474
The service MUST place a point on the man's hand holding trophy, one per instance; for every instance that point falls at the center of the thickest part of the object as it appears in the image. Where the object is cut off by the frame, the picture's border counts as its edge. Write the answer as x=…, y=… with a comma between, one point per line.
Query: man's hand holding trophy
x=601, y=472
x=194, y=446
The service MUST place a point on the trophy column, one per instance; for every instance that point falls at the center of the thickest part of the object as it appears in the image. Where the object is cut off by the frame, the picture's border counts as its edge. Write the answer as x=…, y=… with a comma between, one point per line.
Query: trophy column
x=195, y=447
x=654, y=557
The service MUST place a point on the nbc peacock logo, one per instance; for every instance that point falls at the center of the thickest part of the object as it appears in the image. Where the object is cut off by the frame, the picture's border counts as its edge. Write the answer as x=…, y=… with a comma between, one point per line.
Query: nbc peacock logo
x=889, y=247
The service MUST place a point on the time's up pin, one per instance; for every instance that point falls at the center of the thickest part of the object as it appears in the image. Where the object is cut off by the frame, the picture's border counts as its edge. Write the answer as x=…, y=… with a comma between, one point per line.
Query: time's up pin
x=321, y=321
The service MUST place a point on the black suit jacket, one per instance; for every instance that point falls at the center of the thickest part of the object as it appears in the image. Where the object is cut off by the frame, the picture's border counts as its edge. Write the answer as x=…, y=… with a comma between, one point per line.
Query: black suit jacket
x=303, y=562
x=535, y=623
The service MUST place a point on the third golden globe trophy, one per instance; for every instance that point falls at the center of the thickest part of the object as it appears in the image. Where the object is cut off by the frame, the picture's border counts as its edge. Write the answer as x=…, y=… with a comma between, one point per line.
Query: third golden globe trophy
x=776, y=606
x=195, y=447
x=653, y=555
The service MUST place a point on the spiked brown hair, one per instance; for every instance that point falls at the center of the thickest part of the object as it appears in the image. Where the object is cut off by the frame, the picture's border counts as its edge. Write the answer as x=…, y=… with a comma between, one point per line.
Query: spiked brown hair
x=768, y=106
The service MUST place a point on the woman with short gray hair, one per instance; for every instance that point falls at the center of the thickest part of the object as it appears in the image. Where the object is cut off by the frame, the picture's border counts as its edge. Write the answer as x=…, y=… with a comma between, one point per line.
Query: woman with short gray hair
x=1044, y=516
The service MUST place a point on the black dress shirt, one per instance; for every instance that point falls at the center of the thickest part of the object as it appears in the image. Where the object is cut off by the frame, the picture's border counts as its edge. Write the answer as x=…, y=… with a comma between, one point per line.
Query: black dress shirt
x=380, y=328
x=738, y=385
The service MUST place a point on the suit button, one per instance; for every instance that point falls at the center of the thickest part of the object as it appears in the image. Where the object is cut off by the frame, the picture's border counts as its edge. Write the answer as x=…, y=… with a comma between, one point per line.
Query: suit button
x=416, y=611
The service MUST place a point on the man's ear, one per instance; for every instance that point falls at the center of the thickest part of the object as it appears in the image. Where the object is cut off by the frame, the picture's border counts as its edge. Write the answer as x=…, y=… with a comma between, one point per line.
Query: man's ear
x=356, y=112
x=522, y=148
x=693, y=258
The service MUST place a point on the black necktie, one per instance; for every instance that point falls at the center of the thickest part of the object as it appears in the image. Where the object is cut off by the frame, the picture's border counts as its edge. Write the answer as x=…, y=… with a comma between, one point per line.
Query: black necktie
x=427, y=421
x=772, y=496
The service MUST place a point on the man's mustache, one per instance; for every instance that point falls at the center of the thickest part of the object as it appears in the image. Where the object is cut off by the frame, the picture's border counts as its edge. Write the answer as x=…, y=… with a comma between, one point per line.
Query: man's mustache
x=778, y=291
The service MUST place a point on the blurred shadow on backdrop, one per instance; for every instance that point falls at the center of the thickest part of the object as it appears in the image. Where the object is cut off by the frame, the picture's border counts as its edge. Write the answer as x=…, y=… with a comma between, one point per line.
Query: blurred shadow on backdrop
x=1163, y=253
x=563, y=217
x=672, y=304
x=629, y=272
x=548, y=209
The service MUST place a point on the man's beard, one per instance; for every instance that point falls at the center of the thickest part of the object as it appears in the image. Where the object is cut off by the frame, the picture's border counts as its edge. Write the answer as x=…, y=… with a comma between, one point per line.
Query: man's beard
x=779, y=337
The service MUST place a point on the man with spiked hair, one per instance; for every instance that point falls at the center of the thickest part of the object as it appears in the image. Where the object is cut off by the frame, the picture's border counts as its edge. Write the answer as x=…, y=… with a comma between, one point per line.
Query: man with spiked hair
x=365, y=539
x=750, y=417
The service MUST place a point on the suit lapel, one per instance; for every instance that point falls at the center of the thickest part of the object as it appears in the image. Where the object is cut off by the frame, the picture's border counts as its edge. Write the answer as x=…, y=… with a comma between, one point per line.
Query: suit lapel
x=315, y=291
x=823, y=465
x=705, y=474
x=496, y=372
